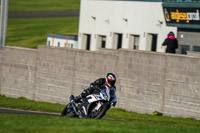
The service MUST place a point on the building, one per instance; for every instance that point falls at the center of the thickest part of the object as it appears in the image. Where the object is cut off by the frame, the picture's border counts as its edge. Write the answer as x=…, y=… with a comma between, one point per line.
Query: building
x=68, y=41
x=137, y=24
x=184, y=14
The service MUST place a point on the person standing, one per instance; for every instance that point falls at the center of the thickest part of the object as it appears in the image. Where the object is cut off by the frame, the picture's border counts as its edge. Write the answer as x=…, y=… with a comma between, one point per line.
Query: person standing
x=171, y=43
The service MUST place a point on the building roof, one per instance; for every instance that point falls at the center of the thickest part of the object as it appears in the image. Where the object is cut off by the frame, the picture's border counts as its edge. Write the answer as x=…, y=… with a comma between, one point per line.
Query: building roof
x=70, y=37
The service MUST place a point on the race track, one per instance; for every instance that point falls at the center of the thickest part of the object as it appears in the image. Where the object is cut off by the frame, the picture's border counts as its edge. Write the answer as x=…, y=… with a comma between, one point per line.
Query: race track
x=20, y=111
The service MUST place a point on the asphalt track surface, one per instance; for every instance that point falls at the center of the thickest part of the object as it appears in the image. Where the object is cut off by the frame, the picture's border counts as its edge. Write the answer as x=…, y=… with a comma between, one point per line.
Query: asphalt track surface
x=27, y=112
x=43, y=14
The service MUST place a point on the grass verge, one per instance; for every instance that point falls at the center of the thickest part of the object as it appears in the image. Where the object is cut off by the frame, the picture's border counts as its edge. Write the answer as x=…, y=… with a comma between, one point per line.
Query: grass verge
x=30, y=32
x=50, y=124
x=23, y=103
x=43, y=5
x=120, y=120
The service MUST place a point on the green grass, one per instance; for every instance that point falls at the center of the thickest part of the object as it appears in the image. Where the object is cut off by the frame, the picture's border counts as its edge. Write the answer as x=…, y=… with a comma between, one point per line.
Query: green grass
x=115, y=120
x=43, y=5
x=23, y=103
x=30, y=32
x=119, y=114
x=50, y=124
x=33, y=32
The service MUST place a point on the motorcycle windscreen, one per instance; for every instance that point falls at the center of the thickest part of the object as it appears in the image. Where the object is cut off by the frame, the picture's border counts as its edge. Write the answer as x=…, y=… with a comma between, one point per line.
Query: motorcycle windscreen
x=106, y=94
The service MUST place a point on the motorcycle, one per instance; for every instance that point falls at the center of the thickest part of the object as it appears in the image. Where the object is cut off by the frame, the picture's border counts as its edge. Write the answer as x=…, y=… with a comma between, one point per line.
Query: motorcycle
x=93, y=106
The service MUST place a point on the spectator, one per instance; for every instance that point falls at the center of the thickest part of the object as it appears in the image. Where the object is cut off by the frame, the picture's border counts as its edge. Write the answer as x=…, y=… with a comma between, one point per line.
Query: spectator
x=171, y=43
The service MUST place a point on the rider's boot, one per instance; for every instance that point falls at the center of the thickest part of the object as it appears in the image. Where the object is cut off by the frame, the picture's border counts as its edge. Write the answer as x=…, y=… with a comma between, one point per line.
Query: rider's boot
x=82, y=95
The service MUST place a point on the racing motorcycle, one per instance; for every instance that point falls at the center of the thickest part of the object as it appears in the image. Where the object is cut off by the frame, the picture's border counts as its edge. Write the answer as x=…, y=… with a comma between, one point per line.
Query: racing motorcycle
x=93, y=106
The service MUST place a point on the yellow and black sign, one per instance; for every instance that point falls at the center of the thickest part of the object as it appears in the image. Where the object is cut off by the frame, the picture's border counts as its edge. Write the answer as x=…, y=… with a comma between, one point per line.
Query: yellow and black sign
x=182, y=15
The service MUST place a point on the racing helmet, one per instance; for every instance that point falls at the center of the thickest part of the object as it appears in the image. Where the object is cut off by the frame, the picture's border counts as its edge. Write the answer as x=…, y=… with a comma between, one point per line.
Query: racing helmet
x=110, y=79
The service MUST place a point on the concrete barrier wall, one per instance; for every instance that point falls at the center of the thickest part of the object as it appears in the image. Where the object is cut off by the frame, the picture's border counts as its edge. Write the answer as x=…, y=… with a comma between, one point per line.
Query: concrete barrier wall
x=164, y=82
x=61, y=72
x=141, y=79
x=182, y=86
x=18, y=72
x=146, y=81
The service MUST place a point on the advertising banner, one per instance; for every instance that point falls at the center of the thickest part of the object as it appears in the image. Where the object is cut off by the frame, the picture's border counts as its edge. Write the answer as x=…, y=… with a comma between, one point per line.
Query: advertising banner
x=182, y=15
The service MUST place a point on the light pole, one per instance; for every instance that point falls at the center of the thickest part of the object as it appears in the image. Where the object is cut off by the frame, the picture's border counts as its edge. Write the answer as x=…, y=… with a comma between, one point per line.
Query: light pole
x=3, y=22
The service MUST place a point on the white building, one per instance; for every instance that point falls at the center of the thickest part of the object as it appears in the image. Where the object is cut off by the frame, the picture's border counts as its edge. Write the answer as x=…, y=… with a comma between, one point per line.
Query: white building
x=131, y=24
x=138, y=24
x=68, y=41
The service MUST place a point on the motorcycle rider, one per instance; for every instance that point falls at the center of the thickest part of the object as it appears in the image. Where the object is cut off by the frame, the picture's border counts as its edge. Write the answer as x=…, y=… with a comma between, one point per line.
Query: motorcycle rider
x=99, y=85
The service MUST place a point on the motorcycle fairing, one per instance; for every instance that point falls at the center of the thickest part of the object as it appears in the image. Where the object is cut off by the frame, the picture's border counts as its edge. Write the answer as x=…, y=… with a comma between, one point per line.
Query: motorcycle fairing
x=71, y=98
x=94, y=97
x=103, y=96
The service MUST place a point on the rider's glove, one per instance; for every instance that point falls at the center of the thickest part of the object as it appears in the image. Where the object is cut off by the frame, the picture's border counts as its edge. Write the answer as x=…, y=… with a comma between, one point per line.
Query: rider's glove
x=113, y=104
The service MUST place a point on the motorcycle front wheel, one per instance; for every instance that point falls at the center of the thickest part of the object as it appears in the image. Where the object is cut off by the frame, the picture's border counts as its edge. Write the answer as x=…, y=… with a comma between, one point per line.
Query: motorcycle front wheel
x=98, y=114
x=68, y=111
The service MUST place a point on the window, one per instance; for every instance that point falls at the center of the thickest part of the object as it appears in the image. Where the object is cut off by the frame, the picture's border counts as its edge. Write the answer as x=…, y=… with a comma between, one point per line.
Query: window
x=196, y=48
x=58, y=44
x=184, y=49
x=86, y=41
x=151, y=43
x=101, y=41
x=49, y=42
x=154, y=42
x=117, y=40
x=134, y=42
